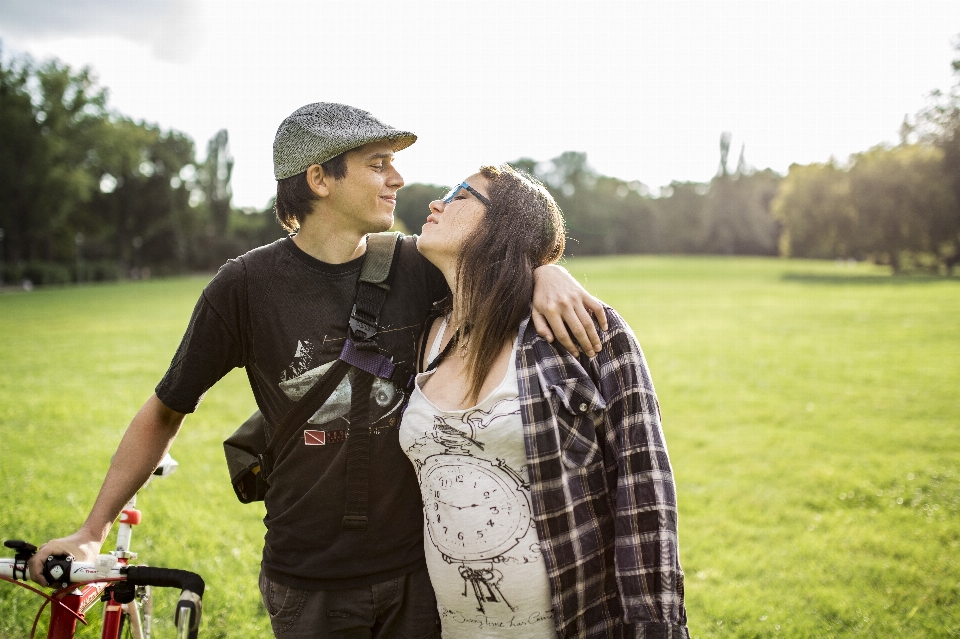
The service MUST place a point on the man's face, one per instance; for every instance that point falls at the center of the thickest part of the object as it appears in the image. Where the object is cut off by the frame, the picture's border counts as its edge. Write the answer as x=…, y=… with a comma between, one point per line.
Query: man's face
x=366, y=197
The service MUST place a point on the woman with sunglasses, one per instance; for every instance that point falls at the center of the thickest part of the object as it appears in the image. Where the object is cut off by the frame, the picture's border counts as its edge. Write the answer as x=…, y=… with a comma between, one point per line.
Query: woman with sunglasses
x=549, y=500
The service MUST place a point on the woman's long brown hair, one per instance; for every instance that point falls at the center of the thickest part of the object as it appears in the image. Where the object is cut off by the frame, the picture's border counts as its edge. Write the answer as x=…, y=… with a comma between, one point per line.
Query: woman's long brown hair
x=521, y=230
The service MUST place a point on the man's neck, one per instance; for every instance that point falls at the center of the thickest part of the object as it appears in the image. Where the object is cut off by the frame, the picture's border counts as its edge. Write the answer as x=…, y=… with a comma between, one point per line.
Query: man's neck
x=328, y=243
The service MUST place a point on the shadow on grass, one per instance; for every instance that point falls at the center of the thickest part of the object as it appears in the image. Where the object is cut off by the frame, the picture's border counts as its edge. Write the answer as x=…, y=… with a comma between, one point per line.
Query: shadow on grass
x=850, y=279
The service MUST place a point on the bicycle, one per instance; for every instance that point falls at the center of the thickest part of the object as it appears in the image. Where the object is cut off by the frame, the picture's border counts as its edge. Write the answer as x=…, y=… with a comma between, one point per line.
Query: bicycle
x=123, y=588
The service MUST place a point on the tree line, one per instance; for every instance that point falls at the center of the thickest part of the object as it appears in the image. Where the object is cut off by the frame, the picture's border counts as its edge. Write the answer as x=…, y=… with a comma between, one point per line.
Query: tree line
x=896, y=205
x=90, y=194
x=729, y=215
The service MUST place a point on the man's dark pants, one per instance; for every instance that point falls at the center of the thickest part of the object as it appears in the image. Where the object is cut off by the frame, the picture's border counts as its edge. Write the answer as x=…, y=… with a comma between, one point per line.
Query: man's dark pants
x=401, y=608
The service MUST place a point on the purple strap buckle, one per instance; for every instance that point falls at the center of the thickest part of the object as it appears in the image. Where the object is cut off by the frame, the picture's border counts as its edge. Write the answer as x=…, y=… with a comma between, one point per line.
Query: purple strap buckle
x=368, y=361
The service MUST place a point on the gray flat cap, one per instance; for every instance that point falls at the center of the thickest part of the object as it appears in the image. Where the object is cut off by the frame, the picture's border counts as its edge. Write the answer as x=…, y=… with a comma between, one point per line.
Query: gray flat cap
x=321, y=131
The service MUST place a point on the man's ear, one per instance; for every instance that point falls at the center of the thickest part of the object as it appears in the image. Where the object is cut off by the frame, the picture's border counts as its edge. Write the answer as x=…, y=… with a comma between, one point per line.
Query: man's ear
x=318, y=181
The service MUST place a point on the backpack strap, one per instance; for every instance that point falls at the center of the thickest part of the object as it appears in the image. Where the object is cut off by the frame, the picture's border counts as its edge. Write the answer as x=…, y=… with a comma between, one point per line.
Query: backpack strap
x=371, y=294
x=359, y=434
x=372, y=288
x=361, y=351
x=436, y=311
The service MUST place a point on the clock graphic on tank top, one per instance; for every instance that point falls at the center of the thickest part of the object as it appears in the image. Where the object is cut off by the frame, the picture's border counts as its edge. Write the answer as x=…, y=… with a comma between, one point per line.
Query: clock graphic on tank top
x=476, y=510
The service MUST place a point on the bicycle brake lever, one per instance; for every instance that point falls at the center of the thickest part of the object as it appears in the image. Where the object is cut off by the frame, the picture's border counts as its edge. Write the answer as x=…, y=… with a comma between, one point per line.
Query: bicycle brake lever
x=23, y=549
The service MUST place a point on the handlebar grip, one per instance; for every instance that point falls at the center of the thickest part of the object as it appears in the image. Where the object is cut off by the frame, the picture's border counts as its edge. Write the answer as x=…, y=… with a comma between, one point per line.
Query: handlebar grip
x=189, y=608
x=187, y=615
x=165, y=578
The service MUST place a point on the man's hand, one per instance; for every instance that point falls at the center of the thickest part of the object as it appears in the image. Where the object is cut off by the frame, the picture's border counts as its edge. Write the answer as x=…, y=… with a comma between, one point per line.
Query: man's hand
x=80, y=545
x=559, y=303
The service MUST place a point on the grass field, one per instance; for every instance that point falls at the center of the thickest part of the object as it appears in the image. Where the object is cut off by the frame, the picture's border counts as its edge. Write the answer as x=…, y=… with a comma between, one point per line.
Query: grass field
x=812, y=412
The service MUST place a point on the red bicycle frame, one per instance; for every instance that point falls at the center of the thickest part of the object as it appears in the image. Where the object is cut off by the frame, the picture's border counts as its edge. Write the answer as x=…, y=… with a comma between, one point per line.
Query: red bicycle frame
x=73, y=607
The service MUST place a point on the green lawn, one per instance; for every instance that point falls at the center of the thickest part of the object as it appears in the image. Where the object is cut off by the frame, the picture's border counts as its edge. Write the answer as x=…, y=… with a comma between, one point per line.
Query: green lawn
x=812, y=412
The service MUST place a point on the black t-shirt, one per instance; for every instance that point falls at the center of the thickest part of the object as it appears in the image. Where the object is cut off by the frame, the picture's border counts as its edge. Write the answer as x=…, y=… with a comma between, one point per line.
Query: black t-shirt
x=283, y=316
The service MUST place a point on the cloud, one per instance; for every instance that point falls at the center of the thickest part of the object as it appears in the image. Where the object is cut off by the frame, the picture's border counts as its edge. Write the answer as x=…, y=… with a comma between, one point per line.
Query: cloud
x=170, y=27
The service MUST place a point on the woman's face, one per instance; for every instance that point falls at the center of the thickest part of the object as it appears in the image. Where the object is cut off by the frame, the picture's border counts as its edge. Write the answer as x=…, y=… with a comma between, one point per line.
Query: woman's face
x=450, y=223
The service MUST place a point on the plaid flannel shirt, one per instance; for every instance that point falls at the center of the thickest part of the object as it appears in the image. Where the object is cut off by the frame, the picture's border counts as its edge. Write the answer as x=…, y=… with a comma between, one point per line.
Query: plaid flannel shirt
x=604, y=501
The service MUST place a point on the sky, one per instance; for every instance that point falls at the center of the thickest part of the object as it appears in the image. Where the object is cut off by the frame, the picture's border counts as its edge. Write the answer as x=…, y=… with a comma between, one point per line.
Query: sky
x=645, y=88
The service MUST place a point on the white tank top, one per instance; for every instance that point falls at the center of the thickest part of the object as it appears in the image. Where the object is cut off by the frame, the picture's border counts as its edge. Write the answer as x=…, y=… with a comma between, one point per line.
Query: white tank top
x=482, y=549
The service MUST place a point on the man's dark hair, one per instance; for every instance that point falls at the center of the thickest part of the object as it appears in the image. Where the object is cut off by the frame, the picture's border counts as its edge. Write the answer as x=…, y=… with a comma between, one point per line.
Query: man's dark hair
x=294, y=197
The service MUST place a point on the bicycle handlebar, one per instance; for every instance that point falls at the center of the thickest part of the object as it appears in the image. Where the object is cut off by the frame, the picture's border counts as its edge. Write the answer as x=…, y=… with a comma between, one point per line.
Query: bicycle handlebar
x=63, y=571
x=191, y=592
x=166, y=578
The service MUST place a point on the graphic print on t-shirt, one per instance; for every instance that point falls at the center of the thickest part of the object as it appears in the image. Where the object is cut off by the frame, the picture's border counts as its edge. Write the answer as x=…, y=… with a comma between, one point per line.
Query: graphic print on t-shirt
x=302, y=359
x=477, y=509
x=302, y=374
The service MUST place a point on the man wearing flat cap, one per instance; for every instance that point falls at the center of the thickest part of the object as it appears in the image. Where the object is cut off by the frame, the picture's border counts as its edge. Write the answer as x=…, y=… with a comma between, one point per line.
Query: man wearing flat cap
x=281, y=311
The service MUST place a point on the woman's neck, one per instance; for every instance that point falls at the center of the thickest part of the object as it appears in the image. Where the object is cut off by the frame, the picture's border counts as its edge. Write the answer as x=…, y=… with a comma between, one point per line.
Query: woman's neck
x=449, y=270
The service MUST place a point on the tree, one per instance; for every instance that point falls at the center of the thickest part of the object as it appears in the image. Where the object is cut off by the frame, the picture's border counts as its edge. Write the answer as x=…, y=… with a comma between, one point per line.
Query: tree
x=251, y=228
x=72, y=110
x=725, y=139
x=903, y=201
x=738, y=218
x=939, y=124
x=215, y=177
x=141, y=216
x=814, y=205
x=590, y=216
x=46, y=175
x=680, y=218
x=19, y=153
x=413, y=205
x=79, y=183
x=737, y=212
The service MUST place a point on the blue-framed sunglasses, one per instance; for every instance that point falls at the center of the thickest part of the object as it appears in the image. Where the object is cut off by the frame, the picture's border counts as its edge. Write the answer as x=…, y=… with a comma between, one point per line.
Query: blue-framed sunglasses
x=452, y=193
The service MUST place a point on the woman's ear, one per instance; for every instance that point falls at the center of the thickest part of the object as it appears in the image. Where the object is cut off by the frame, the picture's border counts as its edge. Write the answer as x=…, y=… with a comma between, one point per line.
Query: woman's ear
x=317, y=180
